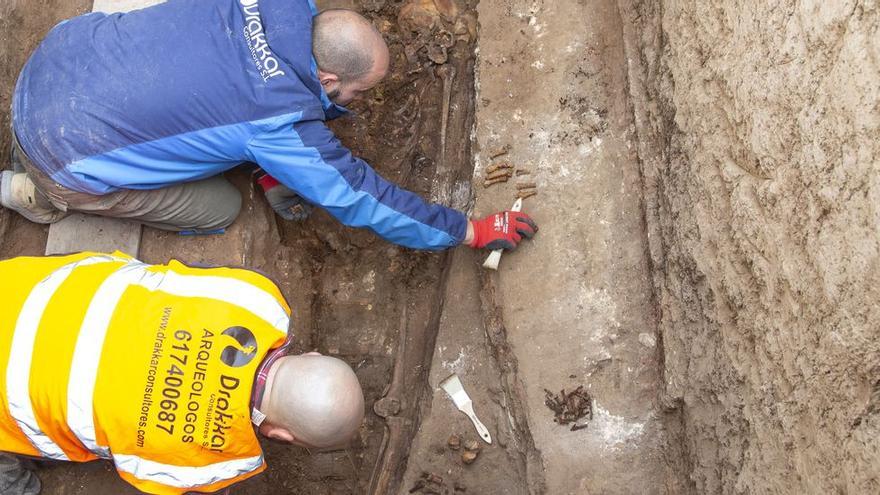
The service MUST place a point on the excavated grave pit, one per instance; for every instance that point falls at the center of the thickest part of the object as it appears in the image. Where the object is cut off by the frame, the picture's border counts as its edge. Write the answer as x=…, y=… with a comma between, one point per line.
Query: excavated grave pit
x=736, y=176
x=352, y=294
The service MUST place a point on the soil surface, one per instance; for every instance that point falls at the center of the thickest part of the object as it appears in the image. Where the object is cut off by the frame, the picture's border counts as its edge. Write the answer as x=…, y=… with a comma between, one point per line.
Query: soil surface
x=574, y=307
x=759, y=135
x=352, y=294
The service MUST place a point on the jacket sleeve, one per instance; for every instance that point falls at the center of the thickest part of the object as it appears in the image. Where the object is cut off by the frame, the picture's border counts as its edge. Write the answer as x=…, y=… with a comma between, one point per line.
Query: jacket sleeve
x=307, y=158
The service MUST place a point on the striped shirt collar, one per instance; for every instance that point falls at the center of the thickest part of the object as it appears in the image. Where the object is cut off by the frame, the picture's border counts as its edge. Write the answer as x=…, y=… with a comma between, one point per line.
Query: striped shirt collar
x=262, y=375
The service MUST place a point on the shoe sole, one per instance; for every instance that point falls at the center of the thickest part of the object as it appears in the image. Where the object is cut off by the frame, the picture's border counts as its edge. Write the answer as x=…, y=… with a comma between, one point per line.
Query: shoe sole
x=7, y=200
x=6, y=188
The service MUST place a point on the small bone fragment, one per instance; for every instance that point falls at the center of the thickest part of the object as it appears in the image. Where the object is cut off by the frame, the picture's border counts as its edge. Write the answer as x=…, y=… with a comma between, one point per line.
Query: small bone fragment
x=471, y=445
x=526, y=194
x=499, y=152
x=499, y=173
x=526, y=185
x=469, y=456
x=522, y=171
x=433, y=478
x=498, y=166
x=454, y=442
x=448, y=74
x=495, y=181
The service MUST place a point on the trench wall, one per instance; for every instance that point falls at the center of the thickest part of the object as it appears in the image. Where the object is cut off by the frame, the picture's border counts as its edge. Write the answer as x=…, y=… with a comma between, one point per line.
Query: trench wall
x=759, y=137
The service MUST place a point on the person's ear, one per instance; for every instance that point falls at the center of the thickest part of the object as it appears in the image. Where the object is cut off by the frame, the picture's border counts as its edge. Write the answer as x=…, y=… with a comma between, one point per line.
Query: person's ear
x=327, y=79
x=276, y=433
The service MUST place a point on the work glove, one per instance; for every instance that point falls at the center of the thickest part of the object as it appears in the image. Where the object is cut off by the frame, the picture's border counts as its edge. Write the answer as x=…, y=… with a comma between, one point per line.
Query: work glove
x=286, y=203
x=502, y=230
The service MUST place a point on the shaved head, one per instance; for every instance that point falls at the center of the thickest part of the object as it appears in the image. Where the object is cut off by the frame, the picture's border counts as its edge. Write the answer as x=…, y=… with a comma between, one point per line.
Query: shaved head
x=351, y=54
x=348, y=45
x=318, y=399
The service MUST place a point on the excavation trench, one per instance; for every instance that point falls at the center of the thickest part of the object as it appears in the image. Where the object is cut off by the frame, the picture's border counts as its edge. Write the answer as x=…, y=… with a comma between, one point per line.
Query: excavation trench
x=707, y=266
x=373, y=304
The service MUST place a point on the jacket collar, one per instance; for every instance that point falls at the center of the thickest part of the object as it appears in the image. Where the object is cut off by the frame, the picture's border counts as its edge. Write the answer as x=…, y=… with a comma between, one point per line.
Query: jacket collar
x=288, y=27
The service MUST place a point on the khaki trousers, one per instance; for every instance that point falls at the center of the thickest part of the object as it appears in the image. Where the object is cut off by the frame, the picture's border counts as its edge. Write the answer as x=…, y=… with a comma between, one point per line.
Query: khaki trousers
x=203, y=205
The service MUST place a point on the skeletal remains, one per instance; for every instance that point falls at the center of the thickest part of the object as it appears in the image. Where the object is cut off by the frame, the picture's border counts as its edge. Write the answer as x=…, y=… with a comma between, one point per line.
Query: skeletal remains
x=571, y=407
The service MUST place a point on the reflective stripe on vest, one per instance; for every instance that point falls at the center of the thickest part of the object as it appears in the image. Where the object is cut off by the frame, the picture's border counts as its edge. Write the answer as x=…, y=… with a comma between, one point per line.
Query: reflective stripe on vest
x=87, y=406
x=182, y=476
x=229, y=290
x=90, y=342
x=87, y=354
x=21, y=356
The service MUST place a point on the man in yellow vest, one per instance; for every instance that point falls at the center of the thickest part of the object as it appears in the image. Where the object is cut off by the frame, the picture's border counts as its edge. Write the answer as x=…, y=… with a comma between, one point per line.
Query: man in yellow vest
x=167, y=370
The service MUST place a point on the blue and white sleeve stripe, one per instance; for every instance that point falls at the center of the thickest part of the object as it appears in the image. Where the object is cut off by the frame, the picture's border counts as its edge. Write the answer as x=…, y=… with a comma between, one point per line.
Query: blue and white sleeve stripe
x=308, y=158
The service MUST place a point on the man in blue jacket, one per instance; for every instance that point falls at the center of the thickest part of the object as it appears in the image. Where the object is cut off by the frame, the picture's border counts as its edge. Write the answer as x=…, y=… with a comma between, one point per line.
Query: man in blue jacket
x=137, y=115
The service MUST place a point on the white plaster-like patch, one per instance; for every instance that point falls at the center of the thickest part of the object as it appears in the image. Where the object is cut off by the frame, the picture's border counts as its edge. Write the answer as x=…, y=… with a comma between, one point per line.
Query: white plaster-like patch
x=613, y=430
x=344, y=291
x=369, y=281
x=457, y=365
x=461, y=195
x=647, y=340
x=573, y=46
x=585, y=149
x=598, y=304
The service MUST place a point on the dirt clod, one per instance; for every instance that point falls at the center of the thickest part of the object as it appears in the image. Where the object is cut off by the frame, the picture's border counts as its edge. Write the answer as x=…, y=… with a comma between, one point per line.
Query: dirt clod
x=570, y=407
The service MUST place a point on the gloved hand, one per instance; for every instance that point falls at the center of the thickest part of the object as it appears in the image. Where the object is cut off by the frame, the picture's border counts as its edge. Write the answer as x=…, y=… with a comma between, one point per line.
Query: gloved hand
x=502, y=230
x=286, y=203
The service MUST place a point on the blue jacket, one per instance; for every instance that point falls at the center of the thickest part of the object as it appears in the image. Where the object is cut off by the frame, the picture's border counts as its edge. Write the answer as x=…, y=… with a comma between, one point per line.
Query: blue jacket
x=190, y=88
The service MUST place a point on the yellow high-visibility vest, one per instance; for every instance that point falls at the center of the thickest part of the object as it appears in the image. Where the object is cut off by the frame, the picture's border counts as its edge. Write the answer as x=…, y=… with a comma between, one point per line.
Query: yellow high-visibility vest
x=152, y=366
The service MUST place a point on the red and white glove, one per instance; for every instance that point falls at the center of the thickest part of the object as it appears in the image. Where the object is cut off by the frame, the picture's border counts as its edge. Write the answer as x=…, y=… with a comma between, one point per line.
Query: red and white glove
x=502, y=230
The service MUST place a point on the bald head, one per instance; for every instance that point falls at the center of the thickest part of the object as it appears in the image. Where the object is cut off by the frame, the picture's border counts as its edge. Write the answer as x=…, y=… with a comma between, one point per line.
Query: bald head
x=317, y=399
x=351, y=54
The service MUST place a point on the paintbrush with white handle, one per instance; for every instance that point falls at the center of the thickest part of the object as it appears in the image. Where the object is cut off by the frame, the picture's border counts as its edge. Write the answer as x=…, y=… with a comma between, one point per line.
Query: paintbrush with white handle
x=463, y=402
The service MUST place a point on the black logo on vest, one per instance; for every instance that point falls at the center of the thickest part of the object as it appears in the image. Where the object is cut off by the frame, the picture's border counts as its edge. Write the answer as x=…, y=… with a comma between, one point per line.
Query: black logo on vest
x=242, y=350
